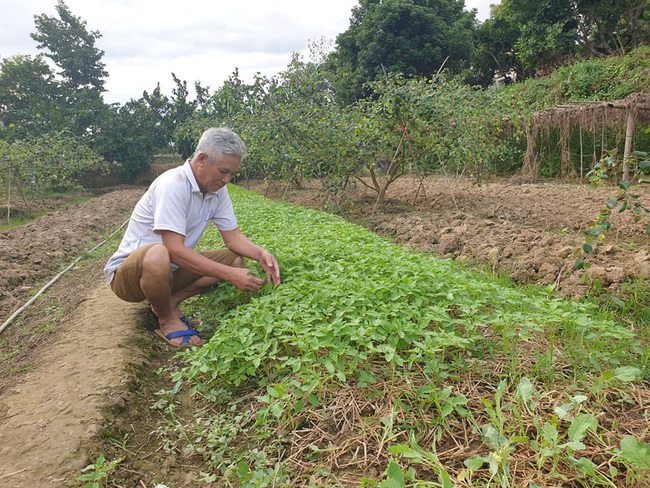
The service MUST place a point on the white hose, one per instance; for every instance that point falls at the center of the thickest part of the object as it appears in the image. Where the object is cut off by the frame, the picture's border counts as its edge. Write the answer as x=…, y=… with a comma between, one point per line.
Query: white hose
x=55, y=279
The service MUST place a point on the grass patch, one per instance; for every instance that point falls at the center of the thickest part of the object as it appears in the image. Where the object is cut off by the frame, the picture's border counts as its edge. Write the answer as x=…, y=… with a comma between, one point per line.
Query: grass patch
x=14, y=222
x=23, y=212
x=631, y=305
x=373, y=365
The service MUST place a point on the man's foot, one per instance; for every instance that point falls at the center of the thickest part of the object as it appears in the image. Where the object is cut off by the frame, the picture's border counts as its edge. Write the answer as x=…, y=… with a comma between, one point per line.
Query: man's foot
x=192, y=323
x=177, y=334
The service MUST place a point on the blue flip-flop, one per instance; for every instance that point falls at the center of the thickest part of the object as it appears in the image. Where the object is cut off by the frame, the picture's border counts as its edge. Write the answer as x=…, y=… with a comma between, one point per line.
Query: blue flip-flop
x=190, y=322
x=185, y=334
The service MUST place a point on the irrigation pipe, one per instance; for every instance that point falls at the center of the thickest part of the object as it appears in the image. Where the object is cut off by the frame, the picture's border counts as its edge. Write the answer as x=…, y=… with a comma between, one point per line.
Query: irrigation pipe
x=55, y=279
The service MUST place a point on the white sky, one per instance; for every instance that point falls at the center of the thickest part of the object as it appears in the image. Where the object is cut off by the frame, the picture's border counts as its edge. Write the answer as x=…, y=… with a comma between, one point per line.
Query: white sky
x=144, y=41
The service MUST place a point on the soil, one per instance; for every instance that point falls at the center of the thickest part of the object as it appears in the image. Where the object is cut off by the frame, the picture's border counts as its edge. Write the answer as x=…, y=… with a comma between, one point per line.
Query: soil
x=533, y=232
x=77, y=365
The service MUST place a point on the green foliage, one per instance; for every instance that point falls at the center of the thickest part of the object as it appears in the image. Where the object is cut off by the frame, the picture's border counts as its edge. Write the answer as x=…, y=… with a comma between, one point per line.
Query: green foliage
x=589, y=80
x=636, y=453
x=627, y=200
x=295, y=129
x=158, y=106
x=97, y=474
x=50, y=163
x=36, y=104
x=546, y=34
x=595, y=79
x=630, y=302
x=355, y=311
x=413, y=38
x=494, y=55
x=611, y=78
x=557, y=445
x=422, y=126
x=33, y=109
x=128, y=138
x=181, y=110
x=613, y=27
x=233, y=105
x=312, y=120
x=388, y=316
x=71, y=47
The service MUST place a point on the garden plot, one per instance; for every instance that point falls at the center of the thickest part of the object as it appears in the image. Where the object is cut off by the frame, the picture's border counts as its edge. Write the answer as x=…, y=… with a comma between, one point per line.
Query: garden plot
x=372, y=358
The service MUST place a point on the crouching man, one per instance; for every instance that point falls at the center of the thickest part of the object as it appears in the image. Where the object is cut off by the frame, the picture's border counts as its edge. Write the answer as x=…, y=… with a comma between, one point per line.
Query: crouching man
x=156, y=260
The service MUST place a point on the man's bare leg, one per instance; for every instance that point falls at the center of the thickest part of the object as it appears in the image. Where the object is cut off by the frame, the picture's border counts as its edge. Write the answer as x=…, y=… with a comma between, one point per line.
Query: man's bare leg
x=202, y=284
x=156, y=284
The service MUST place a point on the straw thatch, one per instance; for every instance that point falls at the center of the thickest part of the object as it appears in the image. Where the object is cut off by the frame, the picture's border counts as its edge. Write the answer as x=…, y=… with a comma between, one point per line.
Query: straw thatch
x=593, y=119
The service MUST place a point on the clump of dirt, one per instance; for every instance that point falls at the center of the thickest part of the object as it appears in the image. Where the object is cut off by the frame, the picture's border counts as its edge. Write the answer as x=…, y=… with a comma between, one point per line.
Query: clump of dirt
x=32, y=254
x=533, y=232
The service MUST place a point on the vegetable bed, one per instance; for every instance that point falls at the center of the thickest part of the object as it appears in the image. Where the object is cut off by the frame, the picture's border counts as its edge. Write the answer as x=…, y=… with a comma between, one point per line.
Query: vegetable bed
x=375, y=365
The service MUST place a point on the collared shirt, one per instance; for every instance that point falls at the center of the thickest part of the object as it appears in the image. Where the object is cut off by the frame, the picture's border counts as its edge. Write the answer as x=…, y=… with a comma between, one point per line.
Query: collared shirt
x=173, y=202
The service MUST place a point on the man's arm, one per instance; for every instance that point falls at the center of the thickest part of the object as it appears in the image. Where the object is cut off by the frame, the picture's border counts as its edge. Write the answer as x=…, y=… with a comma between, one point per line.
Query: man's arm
x=242, y=245
x=187, y=258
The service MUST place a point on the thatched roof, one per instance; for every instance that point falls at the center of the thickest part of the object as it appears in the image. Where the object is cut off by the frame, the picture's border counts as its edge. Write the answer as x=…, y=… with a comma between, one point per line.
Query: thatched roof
x=588, y=114
x=594, y=118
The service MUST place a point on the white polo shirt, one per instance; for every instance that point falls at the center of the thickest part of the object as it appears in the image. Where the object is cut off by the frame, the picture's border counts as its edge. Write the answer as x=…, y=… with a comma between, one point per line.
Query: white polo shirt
x=173, y=202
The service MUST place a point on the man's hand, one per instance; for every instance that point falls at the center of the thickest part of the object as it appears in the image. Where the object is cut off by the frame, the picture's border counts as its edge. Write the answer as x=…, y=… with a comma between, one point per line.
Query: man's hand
x=245, y=280
x=270, y=267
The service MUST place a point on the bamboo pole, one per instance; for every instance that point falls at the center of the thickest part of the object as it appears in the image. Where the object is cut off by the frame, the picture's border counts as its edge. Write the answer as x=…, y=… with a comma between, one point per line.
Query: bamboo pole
x=629, y=135
x=582, y=162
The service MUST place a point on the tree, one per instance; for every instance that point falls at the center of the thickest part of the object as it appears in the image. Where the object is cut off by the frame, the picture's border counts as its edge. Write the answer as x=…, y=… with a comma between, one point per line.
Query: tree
x=554, y=31
x=411, y=37
x=548, y=30
x=181, y=110
x=52, y=162
x=613, y=28
x=29, y=98
x=160, y=109
x=128, y=137
x=495, y=54
x=72, y=48
x=421, y=126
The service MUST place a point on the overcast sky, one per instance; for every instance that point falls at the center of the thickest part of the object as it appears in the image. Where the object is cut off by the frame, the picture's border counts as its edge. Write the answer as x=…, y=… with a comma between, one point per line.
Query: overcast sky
x=144, y=41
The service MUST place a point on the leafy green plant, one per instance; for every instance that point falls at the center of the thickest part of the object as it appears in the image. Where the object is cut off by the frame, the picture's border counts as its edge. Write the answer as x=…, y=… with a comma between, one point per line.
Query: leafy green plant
x=395, y=476
x=636, y=455
x=417, y=338
x=627, y=200
x=96, y=475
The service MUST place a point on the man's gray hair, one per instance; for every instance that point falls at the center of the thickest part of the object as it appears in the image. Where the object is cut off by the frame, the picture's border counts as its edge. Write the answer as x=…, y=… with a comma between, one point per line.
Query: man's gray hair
x=219, y=141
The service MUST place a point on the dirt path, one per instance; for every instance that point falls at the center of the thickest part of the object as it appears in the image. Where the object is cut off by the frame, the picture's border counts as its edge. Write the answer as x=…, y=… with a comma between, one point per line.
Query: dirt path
x=66, y=360
x=46, y=418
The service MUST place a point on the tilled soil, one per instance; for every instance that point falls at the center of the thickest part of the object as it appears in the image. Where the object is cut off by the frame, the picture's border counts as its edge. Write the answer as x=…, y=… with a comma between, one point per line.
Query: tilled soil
x=533, y=232
x=71, y=352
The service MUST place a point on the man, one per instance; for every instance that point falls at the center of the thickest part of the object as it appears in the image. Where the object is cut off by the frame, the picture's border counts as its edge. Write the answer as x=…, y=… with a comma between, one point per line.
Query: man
x=156, y=260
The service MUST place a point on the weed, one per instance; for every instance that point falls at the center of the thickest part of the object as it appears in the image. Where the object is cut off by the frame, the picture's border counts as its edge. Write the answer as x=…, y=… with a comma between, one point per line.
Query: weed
x=7, y=356
x=122, y=443
x=96, y=475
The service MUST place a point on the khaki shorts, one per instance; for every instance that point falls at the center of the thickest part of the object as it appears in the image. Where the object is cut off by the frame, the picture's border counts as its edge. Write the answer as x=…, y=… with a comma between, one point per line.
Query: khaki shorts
x=126, y=282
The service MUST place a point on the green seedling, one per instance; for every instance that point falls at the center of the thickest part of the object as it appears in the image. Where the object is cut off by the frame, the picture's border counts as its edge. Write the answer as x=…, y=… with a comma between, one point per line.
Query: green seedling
x=97, y=474
x=419, y=339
